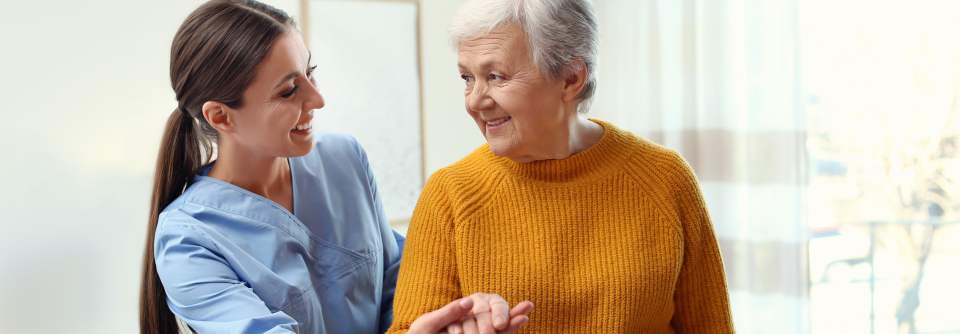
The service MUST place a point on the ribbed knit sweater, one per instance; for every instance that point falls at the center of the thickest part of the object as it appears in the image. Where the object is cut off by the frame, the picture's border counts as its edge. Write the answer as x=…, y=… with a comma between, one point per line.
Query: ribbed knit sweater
x=615, y=239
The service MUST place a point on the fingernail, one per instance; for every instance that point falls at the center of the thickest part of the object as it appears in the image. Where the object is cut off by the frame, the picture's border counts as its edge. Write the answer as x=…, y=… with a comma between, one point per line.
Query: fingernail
x=466, y=303
x=499, y=322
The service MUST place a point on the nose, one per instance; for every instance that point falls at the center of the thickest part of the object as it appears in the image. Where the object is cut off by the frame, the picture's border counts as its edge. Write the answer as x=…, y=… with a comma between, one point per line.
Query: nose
x=313, y=100
x=478, y=99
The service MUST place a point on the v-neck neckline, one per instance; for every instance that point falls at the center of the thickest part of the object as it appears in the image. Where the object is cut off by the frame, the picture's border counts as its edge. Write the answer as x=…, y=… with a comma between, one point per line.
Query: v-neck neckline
x=293, y=190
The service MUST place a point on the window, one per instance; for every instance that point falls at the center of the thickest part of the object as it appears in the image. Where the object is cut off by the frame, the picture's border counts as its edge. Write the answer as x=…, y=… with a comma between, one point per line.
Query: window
x=881, y=88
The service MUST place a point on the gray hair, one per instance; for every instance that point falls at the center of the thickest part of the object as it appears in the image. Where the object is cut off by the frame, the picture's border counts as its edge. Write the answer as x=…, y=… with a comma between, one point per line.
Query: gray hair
x=559, y=32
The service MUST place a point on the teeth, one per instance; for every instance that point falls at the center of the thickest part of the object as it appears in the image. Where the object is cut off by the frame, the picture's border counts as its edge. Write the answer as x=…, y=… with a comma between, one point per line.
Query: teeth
x=501, y=120
x=304, y=126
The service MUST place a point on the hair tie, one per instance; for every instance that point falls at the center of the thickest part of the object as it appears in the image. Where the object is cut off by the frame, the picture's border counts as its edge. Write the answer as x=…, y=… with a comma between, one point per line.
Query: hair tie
x=183, y=110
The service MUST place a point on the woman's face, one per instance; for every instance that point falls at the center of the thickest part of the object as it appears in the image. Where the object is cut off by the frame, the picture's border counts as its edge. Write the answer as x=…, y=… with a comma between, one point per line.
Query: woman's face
x=277, y=112
x=518, y=111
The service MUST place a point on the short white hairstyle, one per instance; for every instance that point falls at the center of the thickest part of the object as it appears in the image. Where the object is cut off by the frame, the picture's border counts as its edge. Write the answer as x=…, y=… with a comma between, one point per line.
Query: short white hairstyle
x=559, y=32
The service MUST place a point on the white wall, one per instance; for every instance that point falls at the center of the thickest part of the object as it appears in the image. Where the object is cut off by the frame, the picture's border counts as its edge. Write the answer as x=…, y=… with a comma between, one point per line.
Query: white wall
x=449, y=133
x=86, y=92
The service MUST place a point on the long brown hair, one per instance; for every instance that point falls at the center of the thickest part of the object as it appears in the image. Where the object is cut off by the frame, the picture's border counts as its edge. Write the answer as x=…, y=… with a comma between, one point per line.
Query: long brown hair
x=214, y=58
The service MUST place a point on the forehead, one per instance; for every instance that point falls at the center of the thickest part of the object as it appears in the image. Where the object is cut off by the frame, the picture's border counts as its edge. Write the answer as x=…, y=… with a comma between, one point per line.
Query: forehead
x=287, y=55
x=505, y=44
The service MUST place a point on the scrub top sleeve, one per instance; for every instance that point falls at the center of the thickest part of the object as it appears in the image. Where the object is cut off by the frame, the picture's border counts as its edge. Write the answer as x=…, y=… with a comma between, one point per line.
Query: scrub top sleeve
x=392, y=247
x=205, y=292
x=390, y=287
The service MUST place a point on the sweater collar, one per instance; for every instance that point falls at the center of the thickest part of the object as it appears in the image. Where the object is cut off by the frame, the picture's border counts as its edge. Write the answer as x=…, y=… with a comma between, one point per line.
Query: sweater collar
x=603, y=157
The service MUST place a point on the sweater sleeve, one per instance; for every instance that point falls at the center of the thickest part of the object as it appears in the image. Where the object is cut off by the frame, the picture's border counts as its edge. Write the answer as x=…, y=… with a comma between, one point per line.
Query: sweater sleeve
x=701, y=299
x=428, y=278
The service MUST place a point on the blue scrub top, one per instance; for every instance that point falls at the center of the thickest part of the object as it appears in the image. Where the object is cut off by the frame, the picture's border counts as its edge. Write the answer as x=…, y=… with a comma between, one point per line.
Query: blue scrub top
x=232, y=261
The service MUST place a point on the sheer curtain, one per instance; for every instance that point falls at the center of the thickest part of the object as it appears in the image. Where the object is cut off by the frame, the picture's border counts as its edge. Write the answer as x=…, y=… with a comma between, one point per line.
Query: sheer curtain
x=717, y=80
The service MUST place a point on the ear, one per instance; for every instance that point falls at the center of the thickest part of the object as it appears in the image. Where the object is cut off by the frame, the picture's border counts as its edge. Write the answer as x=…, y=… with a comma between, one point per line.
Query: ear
x=220, y=116
x=575, y=81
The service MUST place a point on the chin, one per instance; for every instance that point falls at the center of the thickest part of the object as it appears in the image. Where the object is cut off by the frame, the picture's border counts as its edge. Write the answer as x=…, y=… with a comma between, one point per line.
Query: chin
x=501, y=149
x=303, y=149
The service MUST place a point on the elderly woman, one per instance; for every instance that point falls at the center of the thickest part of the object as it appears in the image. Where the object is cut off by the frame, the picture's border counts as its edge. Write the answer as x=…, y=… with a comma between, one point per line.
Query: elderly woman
x=604, y=231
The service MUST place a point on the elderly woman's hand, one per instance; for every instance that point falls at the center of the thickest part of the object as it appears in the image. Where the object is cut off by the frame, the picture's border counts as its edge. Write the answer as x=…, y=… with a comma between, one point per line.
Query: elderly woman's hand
x=479, y=314
x=491, y=314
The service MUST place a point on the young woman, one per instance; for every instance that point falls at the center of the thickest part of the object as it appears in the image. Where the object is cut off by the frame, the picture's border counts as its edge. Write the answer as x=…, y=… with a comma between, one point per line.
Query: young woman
x=284, y=232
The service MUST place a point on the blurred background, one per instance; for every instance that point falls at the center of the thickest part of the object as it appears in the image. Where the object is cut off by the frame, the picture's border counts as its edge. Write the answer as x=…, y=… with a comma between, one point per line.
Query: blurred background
x=824, y=133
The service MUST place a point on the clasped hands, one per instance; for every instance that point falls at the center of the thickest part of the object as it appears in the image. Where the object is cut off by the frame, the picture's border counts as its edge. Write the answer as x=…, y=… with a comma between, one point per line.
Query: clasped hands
x=478, y=314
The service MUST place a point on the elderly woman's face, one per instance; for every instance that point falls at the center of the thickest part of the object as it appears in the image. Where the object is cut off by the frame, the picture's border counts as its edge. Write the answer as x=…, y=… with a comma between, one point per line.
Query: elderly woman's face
x=517, y=109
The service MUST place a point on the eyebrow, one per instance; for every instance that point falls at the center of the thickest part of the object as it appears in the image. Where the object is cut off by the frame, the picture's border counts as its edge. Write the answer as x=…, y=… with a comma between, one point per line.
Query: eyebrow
x=483, y=66
x=294, y=74
x=287, y=78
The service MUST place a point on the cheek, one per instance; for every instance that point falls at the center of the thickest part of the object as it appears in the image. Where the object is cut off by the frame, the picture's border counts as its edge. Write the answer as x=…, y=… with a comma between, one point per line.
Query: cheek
x=285, y=115
x=269, y=122
x=249, y=122
x=520, y=104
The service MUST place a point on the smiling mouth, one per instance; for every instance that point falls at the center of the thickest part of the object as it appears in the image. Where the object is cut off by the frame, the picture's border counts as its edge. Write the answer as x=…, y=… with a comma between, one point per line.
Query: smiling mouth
x=498, y=121
x=304, y=126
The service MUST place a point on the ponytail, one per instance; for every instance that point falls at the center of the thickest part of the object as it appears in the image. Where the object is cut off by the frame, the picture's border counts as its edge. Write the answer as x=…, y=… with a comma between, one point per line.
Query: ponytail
x=183, y=151
x=214, y=57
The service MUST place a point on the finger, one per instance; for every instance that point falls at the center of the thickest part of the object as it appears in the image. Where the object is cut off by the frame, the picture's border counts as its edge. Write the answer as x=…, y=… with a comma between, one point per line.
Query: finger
x=485, y=323
x=515, y=324
x=523, y=308
x=455, y=328
x=439, y=319
x=470, y=325
x=499, y=312
x=481, y=302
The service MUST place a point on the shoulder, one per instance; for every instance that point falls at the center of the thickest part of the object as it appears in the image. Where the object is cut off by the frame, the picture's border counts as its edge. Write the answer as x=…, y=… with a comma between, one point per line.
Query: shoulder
x=638, y=148
x=337, y=154
x=659, y=169
x=180, y=214
x=216, y=209
x=474, y=170
x=657, y=162
x=334, y=138
x=175, y=214
x=462, y=182
x=177, y=230
x=337, y=144
x=648, y=160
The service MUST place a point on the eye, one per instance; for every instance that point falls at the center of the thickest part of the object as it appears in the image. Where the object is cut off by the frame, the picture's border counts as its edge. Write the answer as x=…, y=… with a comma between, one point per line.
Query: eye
x=290, y=93
x=495, y=77
x=466, y=78
x=310, y=70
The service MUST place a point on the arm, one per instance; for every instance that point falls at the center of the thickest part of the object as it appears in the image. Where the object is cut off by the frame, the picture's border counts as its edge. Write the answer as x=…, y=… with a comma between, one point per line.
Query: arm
x=701, y=298
x=428, y=279
x=204, y=291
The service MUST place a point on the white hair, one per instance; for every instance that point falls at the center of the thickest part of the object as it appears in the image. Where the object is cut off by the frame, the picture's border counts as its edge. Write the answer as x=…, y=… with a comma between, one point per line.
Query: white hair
x=559, y=33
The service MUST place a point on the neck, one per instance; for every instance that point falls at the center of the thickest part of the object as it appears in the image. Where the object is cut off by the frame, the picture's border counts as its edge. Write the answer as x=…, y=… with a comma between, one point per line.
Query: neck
x=576, y=134
x=584, y=134
x=267, y=176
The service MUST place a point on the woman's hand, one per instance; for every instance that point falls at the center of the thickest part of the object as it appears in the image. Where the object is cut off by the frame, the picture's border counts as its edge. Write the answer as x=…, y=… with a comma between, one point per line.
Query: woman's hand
x=491, y=314
x=479, y=314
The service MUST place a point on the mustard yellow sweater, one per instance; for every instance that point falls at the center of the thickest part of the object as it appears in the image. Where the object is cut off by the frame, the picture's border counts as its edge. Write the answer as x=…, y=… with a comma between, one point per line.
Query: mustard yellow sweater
x=615, y=239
